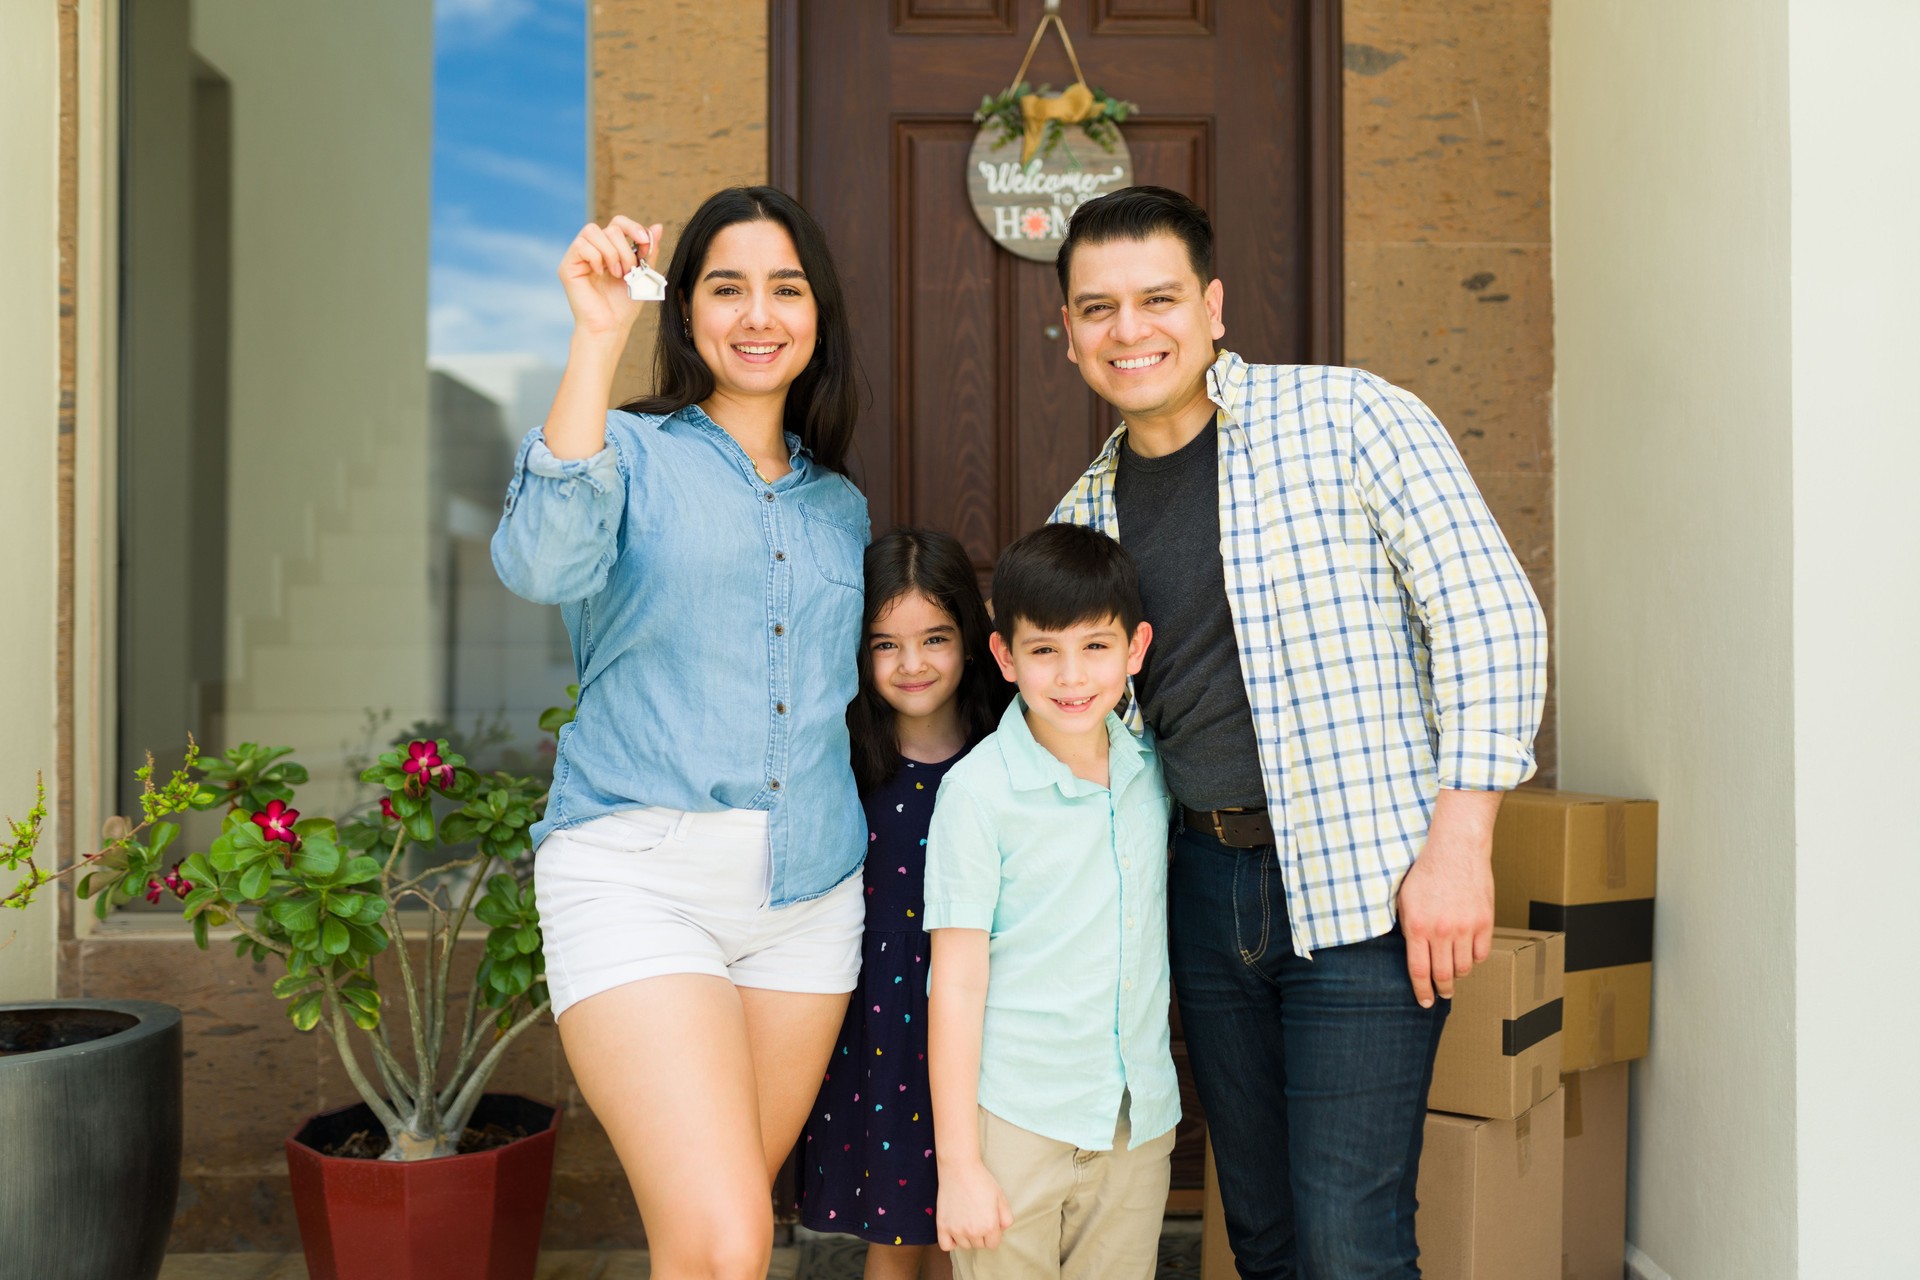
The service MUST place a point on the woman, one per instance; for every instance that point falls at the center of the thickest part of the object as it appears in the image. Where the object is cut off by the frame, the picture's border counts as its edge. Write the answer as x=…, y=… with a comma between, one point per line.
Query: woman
x=697, y=864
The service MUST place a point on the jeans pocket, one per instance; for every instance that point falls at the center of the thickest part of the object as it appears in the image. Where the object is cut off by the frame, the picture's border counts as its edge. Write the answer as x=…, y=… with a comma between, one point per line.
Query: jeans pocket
x=1252, y=907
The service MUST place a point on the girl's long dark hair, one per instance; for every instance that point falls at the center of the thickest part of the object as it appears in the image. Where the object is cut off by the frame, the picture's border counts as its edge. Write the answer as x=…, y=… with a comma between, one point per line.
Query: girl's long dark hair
x=824, y=401
x=936, y=566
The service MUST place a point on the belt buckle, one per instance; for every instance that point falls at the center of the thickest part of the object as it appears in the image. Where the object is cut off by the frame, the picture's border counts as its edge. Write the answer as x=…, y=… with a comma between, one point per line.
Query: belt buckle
x=1219, y=827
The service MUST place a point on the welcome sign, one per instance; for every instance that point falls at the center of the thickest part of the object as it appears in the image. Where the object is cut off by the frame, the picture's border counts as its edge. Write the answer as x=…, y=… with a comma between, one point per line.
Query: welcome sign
x=1025, y=207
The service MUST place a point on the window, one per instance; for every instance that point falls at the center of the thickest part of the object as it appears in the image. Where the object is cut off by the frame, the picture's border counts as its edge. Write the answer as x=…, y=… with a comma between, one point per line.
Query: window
x=340, y=225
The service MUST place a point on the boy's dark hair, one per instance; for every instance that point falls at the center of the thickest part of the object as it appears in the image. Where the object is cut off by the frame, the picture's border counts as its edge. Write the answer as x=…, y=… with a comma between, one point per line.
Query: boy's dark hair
x=1062, y=575
x=938, y=567
x=1135, y=213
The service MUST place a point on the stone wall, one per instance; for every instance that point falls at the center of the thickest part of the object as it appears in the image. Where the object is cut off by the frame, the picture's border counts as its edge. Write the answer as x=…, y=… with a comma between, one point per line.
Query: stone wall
x=1449, y=254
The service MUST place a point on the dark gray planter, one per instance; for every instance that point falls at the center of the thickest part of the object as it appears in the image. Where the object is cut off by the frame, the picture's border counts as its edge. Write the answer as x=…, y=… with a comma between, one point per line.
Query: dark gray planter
x=89, y=1138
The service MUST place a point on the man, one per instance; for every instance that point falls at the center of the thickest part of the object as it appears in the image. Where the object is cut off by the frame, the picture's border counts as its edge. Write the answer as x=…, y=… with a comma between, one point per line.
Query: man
x=1348, y=671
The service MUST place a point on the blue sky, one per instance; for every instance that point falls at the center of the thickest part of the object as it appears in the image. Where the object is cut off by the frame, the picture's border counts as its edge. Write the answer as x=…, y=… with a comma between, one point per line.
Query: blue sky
x=509, y=173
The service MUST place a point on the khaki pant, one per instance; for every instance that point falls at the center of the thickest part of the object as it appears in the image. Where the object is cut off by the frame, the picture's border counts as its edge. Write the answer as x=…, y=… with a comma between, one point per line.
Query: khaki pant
x=1078, y=1215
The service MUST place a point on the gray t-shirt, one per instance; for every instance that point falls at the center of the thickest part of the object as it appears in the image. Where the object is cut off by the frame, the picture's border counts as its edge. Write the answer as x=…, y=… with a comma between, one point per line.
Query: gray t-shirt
x=1190, y=689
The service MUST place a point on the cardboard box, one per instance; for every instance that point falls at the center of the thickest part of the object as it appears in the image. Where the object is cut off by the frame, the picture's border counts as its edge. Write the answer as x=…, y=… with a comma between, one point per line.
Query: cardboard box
x=1490, y=1196
x=1216, y=1255
x=1500, y=1052
x=1584, y=866
x=1594, y=1202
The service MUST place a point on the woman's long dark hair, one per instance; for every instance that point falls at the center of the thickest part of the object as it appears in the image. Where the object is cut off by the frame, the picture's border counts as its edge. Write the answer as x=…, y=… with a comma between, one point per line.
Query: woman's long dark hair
x=824, y=400
x=936, y=566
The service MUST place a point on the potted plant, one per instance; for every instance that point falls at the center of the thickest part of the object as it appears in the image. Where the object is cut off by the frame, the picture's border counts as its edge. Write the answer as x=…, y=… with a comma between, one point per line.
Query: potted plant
x=407, y=1184
x=90, y=1126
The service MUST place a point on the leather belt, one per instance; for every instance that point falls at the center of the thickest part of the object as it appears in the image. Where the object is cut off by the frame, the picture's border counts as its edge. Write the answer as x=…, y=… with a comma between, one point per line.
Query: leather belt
x=1235, y=828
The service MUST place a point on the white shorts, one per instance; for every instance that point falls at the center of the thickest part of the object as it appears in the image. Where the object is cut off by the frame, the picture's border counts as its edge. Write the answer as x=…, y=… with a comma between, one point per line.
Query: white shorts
x=654, y=891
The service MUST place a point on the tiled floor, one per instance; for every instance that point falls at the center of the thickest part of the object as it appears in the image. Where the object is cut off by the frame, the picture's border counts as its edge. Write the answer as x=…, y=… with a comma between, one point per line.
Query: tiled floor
x=813, y=1257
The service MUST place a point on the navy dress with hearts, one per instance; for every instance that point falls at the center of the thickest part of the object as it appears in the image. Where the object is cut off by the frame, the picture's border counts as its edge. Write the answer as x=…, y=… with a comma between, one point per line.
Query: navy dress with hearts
x=867, y=1163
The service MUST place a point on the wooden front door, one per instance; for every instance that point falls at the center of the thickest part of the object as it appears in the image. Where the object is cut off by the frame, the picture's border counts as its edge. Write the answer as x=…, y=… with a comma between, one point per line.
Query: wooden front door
x=978, y=423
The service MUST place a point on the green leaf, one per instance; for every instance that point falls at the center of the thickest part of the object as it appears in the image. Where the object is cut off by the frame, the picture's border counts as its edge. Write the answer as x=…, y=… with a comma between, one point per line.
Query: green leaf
x=361, y=997
x=358, y=870
x=299, y=914
x=319, y=857
x=254, y=881
x=334, y=937
x=164, y=834
x=527, y=938
x=200, y=932
x=305, y=1011
x=493, y=911
x=419, y=824
x=291, y=984
x=371, y=909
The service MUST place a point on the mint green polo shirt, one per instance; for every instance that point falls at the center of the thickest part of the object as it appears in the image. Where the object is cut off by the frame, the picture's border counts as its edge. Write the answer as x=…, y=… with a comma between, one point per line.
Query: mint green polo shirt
x=1070, y=881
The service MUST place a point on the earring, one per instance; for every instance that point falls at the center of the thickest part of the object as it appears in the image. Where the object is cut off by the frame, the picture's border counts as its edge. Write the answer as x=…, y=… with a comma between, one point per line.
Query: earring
x=686, y=326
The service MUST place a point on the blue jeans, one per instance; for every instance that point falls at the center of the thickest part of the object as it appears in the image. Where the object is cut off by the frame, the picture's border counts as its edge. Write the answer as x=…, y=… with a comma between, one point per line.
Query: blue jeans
x=1313, y=1073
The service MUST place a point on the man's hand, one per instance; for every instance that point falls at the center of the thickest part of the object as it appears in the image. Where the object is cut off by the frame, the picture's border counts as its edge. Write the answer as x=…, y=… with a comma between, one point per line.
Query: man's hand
x=1446, y=900
x=972, y=1211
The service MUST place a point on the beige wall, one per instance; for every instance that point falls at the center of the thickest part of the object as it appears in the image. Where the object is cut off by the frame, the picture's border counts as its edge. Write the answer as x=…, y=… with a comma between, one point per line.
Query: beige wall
x=1856, y=613
x=29, y=370
x=1677, y=518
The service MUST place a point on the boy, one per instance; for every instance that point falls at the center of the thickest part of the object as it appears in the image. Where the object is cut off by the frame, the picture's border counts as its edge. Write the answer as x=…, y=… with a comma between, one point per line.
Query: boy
x=1054, y=1098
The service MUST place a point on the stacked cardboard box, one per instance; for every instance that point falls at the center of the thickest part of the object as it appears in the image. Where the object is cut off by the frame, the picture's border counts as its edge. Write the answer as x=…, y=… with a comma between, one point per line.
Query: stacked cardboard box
x=1594, y=1214
x=1524, y=1171
x=1490, y=1177
x=1500, y=1053
x=1584, y=865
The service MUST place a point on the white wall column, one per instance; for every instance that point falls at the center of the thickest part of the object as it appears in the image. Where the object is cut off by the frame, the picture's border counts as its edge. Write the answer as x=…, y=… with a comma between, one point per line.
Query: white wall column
x=30, y=375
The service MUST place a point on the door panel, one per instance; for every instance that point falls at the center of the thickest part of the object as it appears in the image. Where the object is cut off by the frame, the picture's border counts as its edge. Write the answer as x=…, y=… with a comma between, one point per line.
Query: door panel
x=977, y=422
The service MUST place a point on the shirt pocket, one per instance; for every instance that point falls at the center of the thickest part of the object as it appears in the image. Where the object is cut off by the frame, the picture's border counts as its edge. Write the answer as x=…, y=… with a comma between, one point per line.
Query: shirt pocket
x=837, y=549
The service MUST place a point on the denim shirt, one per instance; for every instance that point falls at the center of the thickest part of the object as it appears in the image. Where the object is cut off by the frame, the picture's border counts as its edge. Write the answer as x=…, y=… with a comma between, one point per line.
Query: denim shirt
x=715, y=620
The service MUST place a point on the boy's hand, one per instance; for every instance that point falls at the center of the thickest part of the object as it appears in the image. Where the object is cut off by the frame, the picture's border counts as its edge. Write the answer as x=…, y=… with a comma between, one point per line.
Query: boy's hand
x=972, y=1210
x=1446, y=901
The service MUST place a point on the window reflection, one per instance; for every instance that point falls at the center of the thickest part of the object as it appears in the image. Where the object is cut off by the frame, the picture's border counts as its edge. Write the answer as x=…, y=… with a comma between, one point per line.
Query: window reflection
x=339, y=229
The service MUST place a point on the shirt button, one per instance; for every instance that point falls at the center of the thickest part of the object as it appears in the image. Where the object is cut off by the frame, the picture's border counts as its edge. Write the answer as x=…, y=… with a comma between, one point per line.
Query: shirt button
x=1126, y=864
x=1128, y=984
x=1129, y=922
x=779, y=555
x=781, y=708
x=779, y=630
x=775, y=786
x=768, y=495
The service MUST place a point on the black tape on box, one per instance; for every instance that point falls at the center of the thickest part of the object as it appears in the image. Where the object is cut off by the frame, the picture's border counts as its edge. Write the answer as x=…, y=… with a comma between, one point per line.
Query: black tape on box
x=1600, y=935
x=1517, y=1035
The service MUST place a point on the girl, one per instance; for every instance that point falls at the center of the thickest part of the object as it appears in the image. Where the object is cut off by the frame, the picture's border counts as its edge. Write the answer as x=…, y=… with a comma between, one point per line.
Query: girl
x=696, y=867
x=929, y=689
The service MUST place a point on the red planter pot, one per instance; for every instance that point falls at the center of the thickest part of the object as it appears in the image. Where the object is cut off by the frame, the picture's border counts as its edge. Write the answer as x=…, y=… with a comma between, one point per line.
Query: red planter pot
x=471, y=1217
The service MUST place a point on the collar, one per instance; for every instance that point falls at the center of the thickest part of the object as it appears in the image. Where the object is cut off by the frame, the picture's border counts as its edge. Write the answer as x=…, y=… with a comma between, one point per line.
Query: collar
x=1226, y=386
x=798, y=455
x=1031, y=767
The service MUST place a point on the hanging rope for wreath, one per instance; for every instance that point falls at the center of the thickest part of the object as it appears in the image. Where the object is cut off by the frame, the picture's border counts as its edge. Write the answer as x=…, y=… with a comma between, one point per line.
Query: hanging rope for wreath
x=1070, y=150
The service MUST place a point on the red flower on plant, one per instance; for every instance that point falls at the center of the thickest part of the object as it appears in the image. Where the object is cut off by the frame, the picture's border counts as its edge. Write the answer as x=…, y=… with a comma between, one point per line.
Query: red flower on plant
x=276, y=821
x=154, y=890
x=180, y=885
x=387, y=809
x=424, y=763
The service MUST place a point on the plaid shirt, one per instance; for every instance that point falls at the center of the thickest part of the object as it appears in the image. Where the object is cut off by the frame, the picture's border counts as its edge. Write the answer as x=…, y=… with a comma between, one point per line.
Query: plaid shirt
x=1390, y=643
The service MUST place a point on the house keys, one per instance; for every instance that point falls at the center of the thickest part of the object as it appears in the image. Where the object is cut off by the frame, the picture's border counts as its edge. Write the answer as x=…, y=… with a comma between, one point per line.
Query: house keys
x=644, y=284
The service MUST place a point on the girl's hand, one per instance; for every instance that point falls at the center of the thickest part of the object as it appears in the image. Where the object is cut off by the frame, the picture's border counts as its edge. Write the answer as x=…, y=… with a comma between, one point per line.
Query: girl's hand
x=972, y=1211
x=594, y=274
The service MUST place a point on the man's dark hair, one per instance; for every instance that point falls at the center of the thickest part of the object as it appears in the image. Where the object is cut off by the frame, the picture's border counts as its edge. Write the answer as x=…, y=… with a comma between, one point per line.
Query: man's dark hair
x=1063, y=575
x=1135, y=213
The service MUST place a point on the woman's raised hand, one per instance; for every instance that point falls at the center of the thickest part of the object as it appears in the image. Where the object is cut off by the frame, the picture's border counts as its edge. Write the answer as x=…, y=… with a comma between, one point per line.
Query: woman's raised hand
x=594, y=273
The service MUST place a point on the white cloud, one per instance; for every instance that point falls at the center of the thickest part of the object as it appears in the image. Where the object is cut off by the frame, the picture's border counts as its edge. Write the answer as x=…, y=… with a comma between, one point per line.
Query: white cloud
x=479, y=19
x=494, y=291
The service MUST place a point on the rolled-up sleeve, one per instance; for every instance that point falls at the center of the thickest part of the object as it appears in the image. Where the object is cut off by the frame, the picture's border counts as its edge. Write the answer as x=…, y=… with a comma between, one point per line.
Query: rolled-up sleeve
x=1486, y=634
x=560, y=530
x=963, y=863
